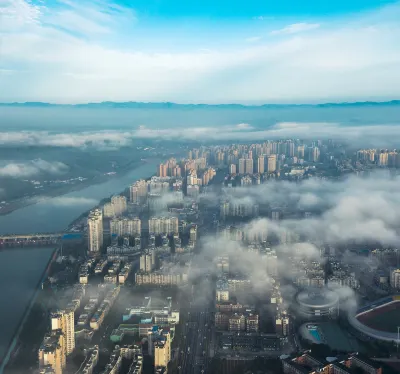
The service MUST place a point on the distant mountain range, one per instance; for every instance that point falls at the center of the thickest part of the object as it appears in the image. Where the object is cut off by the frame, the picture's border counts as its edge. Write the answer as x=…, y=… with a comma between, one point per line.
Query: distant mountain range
x=167, y=105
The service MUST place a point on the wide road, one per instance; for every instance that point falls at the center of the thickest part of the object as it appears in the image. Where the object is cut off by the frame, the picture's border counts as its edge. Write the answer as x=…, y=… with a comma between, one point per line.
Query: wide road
x=194, y=352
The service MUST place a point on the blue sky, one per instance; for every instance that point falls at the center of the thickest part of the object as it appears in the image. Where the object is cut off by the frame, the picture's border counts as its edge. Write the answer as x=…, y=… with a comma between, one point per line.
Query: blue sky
x=252, y=51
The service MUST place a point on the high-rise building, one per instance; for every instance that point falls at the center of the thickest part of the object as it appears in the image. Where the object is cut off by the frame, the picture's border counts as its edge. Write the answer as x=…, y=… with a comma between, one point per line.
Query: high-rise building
x=125, y=226
x=162, y=170
x=271, y=164
x=95, y=231
x=383, y=158
x=163, y=225
x=300, y=151
x=116, y=207
x=64, y=320
x=275, y=215
x=108, y=210
x=232, y=169
x=119, y=203
x=313, y=154
x=242, y=166
x=249, y=166
x=237, y=322
x=162, y=351
x=176, y=171
x=193, y=191
x=147, y=262
x=260, y=164
x=395, y=278
x=282, y=323
x=52, y=352
x=290, y=149
x=193, y=233
x=138, y=191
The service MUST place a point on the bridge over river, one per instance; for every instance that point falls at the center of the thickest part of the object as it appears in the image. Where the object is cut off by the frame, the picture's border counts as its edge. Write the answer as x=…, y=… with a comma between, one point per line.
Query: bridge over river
x=38, y=239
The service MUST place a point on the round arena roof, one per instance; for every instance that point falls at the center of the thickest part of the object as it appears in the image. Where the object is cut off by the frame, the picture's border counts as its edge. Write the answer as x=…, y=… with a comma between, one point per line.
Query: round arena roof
x=373, y=333
x=317, y=298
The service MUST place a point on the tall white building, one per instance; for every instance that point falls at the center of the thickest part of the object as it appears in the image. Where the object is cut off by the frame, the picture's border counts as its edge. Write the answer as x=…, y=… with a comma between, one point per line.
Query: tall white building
x=108, y=210
x=242, y=166
x=125, y=226
x=64, y=320
x=116, y=207
x=163, y=225
x=249, y=166
x=193, y=233
x=119, y=203
x=395, y=278
x=271, y=164
x=148, y=261
x=95, y=230
x=138, y=191
x=193, y=191
x=158, y=187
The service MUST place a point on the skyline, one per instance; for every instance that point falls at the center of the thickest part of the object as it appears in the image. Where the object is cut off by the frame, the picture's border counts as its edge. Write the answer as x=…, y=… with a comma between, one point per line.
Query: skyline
x=72, y=52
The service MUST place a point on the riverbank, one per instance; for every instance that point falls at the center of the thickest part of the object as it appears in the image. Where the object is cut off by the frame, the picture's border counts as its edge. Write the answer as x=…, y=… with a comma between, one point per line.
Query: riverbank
x=17, y=293
x=58, y=192
x=21, y=324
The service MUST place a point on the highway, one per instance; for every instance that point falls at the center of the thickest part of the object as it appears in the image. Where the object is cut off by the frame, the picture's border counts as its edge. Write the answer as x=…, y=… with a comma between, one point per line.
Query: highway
x=194, y=350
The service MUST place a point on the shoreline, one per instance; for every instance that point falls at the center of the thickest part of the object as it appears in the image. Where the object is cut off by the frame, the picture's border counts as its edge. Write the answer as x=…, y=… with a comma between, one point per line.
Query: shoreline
x=4, y=361
x=14, y=339
x=54, y=194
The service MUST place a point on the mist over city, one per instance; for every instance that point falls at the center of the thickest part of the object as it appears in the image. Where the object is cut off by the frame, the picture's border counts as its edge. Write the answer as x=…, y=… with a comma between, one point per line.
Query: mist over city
x=199, y=187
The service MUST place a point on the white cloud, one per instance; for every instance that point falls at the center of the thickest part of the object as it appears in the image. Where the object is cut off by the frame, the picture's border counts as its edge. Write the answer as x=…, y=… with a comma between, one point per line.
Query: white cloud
x=351, y=210
x=357, y=59
x=375, y=136
x=71, y=201
x=32, y=168
x=296, y=28
x=15, y=14
x=253, y=39
x=88, y=17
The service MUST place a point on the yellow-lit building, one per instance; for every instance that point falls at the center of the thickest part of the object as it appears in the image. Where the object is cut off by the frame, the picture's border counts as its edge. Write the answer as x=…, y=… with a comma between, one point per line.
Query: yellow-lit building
x=162, y=351
x=52, y=352
x=64, y=320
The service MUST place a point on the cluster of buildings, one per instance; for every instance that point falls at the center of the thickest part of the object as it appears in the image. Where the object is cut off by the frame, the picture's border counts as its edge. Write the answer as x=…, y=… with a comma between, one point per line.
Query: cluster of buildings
x=309, y=364
x=265, y=158
x=238, y=209
x=163, y=225
x=132, y=353
x=116, y=207
x=380, y=157
x=174, y=276
x=231, y=315
x=342, y=275
x=281, y=316
x=96, y=309
x=126, y=226
x=58, y=343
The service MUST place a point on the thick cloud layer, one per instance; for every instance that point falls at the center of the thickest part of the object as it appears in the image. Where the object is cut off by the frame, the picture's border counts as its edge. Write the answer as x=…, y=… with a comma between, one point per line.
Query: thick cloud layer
x=355, y=209
x=32, y=168
x=381, y=136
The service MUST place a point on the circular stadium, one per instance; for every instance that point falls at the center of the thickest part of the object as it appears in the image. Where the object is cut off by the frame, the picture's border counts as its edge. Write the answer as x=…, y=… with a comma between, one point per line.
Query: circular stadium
x=318, y=303
x=378, y=320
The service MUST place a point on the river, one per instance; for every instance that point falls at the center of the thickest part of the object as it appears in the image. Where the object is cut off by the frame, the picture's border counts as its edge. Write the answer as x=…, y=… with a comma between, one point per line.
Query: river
x=20, y=272
x=21, y=268
x=55, y=214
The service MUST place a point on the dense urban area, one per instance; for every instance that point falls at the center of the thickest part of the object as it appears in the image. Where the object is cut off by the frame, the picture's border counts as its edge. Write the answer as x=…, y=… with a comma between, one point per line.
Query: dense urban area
x=224, y=262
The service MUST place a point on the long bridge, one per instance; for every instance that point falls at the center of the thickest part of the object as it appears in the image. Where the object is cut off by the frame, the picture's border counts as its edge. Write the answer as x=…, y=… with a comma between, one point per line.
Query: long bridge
x=21, y=240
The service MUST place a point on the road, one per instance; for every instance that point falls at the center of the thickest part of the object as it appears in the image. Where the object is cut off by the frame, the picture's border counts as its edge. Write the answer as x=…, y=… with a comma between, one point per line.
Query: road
x=194, y=351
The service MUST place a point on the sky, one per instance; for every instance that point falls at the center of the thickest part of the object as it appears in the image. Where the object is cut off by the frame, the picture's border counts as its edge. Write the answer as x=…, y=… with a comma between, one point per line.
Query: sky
x=77, y=51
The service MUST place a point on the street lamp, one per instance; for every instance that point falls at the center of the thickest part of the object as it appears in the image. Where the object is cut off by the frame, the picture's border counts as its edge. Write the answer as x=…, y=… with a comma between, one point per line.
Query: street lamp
x=398, y=339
